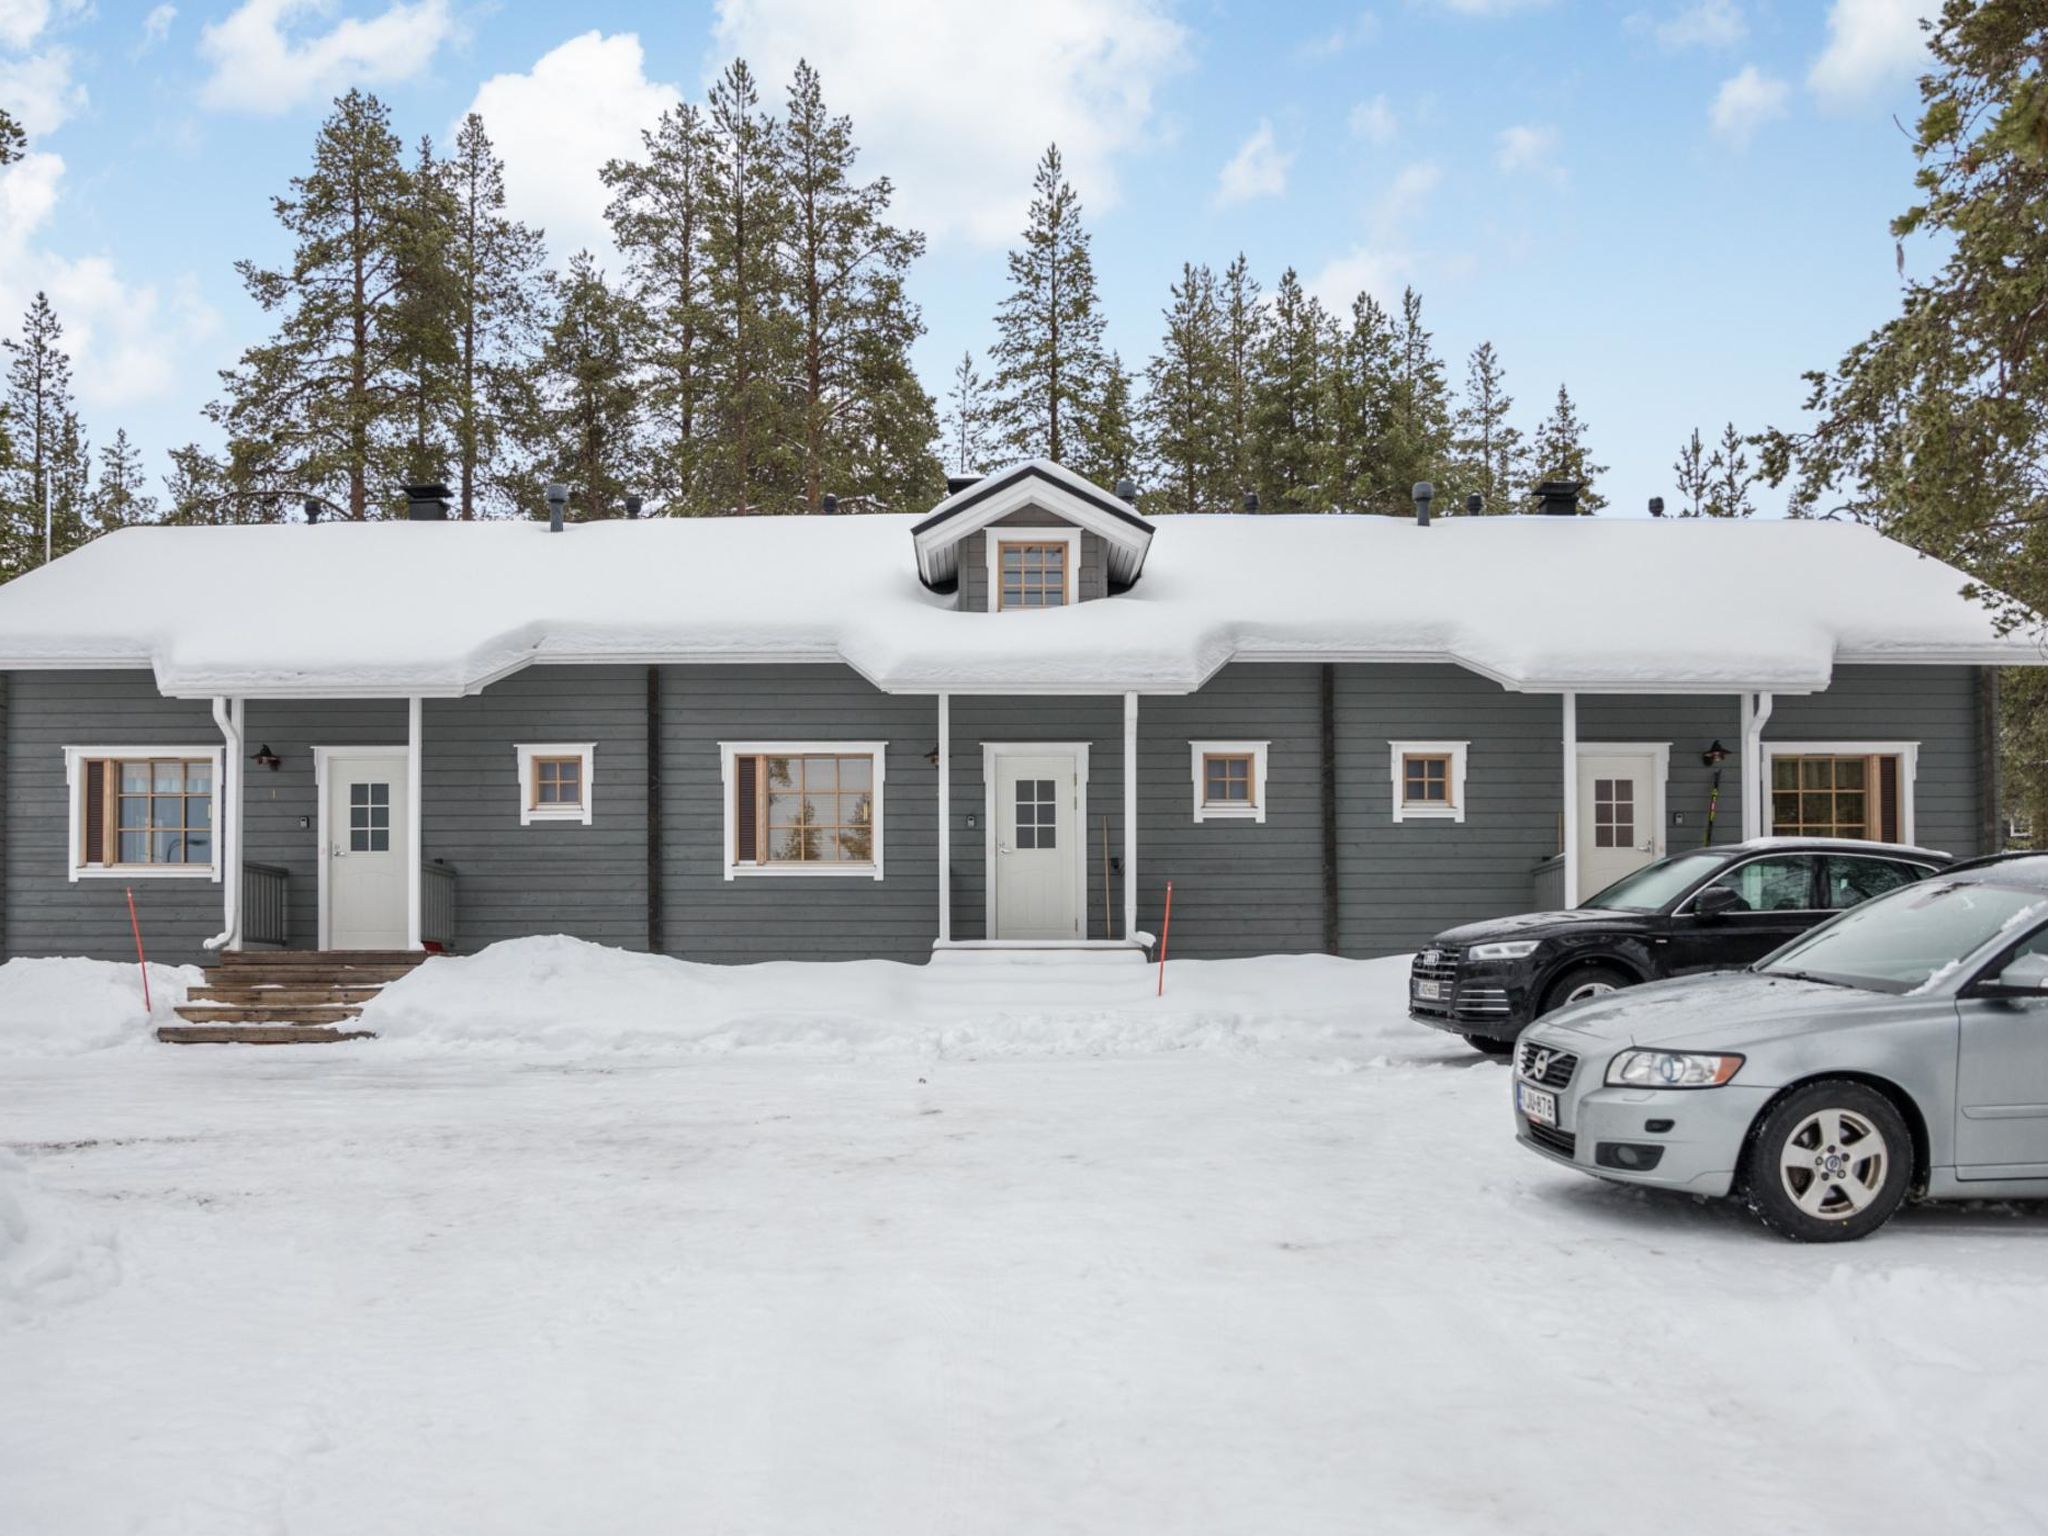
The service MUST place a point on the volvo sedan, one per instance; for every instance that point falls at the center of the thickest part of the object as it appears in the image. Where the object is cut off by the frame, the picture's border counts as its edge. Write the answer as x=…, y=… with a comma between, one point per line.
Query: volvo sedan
x=1899, y=1050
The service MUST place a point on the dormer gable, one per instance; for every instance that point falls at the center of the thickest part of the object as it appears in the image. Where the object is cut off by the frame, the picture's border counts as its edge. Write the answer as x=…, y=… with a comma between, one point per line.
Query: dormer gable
x=1033, y=536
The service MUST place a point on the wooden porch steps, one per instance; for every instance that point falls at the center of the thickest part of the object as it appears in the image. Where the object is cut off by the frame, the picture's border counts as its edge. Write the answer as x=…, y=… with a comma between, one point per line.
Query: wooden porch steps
x=286, y=997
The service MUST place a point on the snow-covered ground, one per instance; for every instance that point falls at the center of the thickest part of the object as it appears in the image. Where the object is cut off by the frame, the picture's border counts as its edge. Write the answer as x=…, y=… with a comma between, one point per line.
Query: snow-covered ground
x=1272, y=1263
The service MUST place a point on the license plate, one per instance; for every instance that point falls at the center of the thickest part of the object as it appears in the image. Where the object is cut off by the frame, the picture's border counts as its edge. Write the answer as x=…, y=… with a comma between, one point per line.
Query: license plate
x=1535, y=1104
x=1428, y=992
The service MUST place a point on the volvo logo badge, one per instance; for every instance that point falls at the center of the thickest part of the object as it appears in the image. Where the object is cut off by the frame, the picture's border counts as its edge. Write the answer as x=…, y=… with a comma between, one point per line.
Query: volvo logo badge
x=1539, y=1064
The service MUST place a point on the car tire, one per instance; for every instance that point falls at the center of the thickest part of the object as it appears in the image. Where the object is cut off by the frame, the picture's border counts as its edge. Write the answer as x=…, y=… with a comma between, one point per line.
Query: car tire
x=1582, y=982
x=1486, y=1045
x=1861, y=1154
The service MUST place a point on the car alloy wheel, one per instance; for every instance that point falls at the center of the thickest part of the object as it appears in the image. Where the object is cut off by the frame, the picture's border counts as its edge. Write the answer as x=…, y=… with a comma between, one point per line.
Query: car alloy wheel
x=1834, y=1164
x=1586, y=989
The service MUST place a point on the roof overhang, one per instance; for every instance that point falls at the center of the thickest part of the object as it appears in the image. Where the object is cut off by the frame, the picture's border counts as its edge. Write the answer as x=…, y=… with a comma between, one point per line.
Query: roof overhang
x=1034, y=483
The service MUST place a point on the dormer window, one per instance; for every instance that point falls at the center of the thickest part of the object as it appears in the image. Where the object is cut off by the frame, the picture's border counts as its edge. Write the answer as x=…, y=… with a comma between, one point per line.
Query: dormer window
x=1034, y=572
x=1033, y=536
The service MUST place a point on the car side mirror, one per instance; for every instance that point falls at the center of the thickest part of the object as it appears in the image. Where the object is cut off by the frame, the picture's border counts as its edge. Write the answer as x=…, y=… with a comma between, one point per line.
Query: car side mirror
x=1716, y=900
x=2023, y=976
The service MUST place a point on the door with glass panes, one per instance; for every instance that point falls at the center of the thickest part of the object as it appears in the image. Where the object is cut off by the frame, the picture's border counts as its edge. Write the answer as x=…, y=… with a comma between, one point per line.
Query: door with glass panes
x=366, y=815
x=1035, y=883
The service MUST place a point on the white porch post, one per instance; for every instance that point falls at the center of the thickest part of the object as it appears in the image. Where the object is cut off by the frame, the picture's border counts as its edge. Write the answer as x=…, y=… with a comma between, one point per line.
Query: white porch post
x=945, y=818
x=1130, y=815
x=1571, y=800
x=1756, y=714
x=415, y=833
x=231, y=851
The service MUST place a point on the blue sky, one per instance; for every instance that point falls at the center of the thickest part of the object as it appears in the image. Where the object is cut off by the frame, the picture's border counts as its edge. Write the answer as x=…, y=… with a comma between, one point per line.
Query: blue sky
x=1675, y=206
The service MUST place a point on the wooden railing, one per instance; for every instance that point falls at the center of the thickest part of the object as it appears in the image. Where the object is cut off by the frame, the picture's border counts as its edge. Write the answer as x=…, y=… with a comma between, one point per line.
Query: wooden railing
x=266, y=906
x=437, y=905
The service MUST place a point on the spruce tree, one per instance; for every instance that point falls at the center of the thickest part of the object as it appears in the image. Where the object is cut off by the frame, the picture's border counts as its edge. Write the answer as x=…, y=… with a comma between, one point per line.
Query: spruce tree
x=1290, y=442
x=1729, y=478
x=424, y=347
x=198, y=489
x=1109, y=446
x=1561, y=453
x=586, y=431
x=1692, y=473
x=1050, y=364
x=1184, y=415
x=1419, y=425
x=1241, y=319
x=496, y=264
x=1357, y=472
x=13, y=142
x=1487, y=448
x=969, y=419
x=752, y=334
x=46, y=440
x=313, y=408
x=121, y=499
x=659, y=215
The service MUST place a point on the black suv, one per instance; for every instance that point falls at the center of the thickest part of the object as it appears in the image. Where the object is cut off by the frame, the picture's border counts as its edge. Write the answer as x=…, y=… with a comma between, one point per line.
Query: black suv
x=1711, y=909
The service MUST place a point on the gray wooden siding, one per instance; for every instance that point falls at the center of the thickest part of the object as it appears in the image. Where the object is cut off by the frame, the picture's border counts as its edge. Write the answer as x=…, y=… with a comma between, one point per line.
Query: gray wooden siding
x=766, y=917
x=1092, y=583
x=1688, y=724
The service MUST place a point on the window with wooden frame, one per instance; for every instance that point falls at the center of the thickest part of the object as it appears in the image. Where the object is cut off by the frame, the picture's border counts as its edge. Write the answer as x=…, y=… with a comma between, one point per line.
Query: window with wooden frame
x=143, y=811
x=803, y=808
x=1033, y=573
x=555, y=781
x=1229, y=780
x=1862, y=791
x=1429, y=780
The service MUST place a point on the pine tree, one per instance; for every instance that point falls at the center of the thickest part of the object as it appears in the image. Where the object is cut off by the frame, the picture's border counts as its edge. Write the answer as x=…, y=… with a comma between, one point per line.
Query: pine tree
x=1356, y=470
x=1242, y=322
x=752, y=336
x=1419, y=426
x=586, y=431
x=13, y=142
x=121, y=499
x=1109, y=437
x=496, y=314
x=847, y=267
x=71, y=493
x=1730, y=478
x=198, y=489
x=424, y=348
x=1050, y=364
x=969, y=419
x=1561, y=453
x=1185, y=403
x=1487, y=448
x=660, y=214
x=313, y=408
x=1691, y=470
x=1290, y=441
x=45, y=435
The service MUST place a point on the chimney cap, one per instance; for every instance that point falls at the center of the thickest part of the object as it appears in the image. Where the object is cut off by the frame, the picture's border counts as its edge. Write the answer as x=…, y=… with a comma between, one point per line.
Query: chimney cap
x=426, y=502
x=557, y=494
x=1558, y=498
x=955, y=484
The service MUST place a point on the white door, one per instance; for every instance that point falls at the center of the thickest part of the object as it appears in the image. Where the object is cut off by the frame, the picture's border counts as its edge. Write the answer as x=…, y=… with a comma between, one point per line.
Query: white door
x=1037, y=822
x=366, y=850
x=1621, y=812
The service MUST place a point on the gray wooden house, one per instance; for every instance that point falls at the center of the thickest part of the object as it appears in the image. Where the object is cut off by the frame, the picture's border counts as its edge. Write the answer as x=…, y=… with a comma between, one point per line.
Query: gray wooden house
x=1008, y=722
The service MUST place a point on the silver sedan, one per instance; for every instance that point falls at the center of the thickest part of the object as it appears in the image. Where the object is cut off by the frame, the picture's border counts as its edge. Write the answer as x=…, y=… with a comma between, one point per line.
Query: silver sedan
x=1899, y=1050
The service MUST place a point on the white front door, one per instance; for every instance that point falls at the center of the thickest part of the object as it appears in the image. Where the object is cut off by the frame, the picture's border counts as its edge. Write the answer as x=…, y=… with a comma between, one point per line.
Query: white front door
x=365, y=852
x=1035, y=887
x=1621, y=812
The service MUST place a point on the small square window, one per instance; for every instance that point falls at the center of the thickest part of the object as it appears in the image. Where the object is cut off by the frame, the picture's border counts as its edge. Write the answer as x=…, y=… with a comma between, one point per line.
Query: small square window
x=1429, y=780
x=1229, y=780
x=555, y=782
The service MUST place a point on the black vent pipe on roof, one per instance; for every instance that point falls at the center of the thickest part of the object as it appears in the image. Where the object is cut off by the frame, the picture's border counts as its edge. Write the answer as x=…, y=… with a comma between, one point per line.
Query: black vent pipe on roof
x=426, y=503
x=312, y=509
x=633, y=506
x=955, y=484
x=1474, y=504
x=558, y=501
x=831, y=505
x=1656, y=506
x=1424, y=493
x=1127, y=489
x=1251, y=501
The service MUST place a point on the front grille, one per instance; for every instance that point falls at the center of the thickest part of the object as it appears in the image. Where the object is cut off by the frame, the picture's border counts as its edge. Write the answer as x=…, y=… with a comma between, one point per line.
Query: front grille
x=1482, y=1002
x=1557, y=1066
x=1562, y=1142
x=1438, y=963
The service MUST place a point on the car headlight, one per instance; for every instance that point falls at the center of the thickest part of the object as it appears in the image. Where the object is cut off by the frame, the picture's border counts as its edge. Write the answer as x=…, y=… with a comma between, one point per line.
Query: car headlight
x=1670, y=1069
x=1514, y=949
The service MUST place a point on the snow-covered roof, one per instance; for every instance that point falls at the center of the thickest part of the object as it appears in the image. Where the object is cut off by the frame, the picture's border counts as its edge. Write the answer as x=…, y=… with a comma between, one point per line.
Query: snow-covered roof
x=1538, y=604
x=1038, y=483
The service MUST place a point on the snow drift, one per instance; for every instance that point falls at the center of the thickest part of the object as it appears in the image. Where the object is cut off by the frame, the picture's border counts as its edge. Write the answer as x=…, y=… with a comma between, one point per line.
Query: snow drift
x=563, y=994
x=47, y=1257
x=60, y=1007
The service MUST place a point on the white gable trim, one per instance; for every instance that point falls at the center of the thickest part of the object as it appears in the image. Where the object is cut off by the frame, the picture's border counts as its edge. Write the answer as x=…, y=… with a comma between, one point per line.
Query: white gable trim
x=938, y=543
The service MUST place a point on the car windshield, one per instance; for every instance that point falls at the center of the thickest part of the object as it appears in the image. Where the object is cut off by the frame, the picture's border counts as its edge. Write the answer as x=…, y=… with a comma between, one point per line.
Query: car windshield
x=1900, y=941
x=1655, y=886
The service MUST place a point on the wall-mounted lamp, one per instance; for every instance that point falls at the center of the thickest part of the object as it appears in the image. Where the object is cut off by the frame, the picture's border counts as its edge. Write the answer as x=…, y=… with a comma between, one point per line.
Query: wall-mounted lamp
x=265, y=758
x=1715, y=755
x=932, y=757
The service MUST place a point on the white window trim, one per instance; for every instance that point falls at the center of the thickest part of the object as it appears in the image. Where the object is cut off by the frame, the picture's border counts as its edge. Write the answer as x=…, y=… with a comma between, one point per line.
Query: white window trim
x=1455, y=751
x=75, y=759
x=1907, y=752
x=1256, y=751
x=728, y=774
x=999, y=534
x=584, y=751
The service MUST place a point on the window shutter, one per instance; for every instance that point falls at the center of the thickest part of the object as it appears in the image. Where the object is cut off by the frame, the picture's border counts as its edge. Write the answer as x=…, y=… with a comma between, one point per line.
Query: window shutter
x=1888, y=799
x=96, y=811
x=746, y=810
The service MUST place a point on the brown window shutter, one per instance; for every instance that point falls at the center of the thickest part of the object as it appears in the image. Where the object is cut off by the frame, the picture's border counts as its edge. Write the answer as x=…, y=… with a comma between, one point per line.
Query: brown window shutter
x=96, y=811
x=1888, y=799
x=746, y=808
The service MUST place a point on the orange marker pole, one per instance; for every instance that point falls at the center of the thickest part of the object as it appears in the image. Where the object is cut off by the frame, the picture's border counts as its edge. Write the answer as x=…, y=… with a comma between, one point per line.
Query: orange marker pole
x=135, y=923
x=1165, y=933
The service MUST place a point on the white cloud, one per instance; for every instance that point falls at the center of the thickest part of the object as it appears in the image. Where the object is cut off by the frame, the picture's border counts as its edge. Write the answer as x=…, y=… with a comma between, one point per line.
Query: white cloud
x=127, y=343
x=957, y=102
x=1343, y=37
x=1746, y=102
x=1704, y=24
x=1374, y=121
x=38, y=90
x=582, y=103
x=1527, y=149
x=1870, y=43
x=1258, y=169
x=265, y=64
x=22, y=21
x=1386, y=260
x=156, y=26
